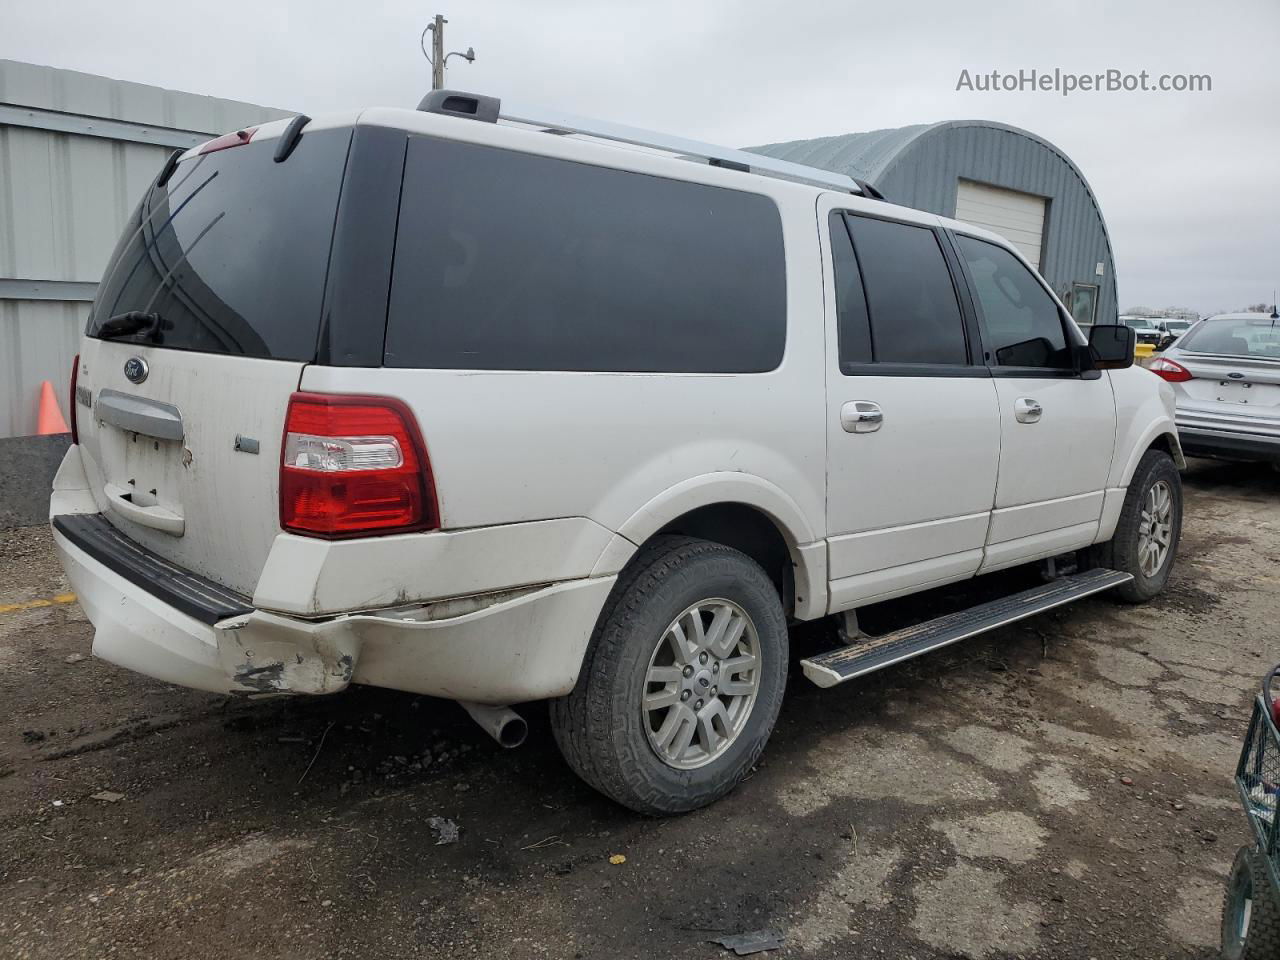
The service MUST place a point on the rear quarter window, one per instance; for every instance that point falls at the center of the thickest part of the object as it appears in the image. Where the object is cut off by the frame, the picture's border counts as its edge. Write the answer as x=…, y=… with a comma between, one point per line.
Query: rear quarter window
x=512, y=261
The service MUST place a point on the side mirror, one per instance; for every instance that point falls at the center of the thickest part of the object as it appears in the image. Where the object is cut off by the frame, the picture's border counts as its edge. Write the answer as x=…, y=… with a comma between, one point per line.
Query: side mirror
x=1112, y=346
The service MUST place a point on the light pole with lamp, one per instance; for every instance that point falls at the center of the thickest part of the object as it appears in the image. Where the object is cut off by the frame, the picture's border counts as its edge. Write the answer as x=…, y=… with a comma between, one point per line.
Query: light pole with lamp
x=437, y=57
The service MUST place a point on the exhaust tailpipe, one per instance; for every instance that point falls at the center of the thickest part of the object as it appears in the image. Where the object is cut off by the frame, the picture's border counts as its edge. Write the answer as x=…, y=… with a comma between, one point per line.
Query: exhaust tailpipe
x=502, y=723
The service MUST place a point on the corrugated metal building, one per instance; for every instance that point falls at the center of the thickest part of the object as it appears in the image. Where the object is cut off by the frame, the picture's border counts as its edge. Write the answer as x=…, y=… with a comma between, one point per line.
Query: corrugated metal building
x=76, y=153
x=999, y=177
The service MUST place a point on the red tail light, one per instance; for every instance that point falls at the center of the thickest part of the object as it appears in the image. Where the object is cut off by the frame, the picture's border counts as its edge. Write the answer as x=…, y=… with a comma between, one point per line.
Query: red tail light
x=75, y=373
x=354, y=466
x=1167, y=369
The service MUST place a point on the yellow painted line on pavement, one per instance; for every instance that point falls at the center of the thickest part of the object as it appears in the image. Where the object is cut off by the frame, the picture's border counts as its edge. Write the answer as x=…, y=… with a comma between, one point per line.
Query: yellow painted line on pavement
x=59, y=600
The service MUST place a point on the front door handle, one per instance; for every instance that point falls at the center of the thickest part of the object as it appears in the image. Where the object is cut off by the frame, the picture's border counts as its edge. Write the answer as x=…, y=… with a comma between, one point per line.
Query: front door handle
x=861, y=416
x=1026, y=410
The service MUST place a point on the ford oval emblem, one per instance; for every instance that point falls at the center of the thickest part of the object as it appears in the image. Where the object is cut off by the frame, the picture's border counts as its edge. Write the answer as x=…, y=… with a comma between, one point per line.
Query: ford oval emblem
x=1236, y=376
x=136, y=369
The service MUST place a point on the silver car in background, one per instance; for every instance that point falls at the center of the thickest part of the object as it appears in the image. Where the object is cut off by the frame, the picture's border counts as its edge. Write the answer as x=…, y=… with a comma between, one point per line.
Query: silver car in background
x=1225, y=373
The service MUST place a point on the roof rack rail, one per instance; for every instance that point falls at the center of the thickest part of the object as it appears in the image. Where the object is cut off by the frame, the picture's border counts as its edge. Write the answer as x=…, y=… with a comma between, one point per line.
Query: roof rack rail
x=475, y=107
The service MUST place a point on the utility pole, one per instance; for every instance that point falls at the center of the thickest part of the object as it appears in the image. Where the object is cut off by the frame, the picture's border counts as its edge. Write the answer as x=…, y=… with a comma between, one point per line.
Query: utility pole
x=437, y=52
x=437, y=56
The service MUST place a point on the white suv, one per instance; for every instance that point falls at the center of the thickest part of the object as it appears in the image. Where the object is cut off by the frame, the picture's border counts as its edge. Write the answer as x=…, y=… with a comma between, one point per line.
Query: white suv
x=436, y=400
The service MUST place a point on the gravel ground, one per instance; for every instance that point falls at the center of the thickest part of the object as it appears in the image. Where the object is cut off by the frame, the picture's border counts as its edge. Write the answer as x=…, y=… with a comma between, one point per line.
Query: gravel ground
x=1057, y=789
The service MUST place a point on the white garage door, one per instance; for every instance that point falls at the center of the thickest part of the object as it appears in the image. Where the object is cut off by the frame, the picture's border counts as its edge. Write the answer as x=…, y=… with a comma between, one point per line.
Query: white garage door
x=1018, y=217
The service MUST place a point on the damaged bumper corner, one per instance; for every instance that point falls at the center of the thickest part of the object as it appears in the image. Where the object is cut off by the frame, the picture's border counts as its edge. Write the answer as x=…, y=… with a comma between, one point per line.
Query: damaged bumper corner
x=502, y=648
x=263, y=654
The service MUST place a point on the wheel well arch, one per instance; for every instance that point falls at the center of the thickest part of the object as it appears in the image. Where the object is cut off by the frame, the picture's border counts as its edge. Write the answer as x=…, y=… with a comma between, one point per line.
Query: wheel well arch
x=747, y=529
x=1165, y=440
x=1169, y=443
x=743, y=511
x=1158, y=436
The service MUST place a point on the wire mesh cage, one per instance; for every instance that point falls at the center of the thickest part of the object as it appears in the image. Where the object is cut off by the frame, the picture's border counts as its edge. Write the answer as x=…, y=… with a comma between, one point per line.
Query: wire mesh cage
x=1258, y=778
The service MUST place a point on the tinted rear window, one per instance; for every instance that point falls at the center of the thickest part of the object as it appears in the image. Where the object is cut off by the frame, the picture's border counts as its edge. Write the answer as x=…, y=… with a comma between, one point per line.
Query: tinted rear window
x=853, y=325
x=510, y=261
x=915, y=316
x=1235, y=338
x=231, y=253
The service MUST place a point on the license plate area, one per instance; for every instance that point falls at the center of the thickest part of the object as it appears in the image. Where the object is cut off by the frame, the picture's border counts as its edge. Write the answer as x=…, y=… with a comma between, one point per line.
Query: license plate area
x=149, y=471
x=1233, y=391
x=142, y=453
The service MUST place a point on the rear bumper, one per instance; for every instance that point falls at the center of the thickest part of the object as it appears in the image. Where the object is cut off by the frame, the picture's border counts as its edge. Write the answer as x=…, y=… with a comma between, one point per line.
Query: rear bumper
x=1228, y=445
x=506, y=647
x=326, y=614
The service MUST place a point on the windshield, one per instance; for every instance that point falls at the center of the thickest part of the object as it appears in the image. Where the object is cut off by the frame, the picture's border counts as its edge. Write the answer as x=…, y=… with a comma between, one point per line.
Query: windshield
x=230, y=255
x=1138, y=323
x=1235, y=338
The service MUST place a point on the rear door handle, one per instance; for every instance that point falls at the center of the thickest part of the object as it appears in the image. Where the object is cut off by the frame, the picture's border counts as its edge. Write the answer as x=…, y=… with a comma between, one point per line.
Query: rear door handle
x=1026, y=410
x=861, y=416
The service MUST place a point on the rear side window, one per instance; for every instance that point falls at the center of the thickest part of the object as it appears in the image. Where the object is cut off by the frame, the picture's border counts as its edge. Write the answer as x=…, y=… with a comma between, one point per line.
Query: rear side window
x=915, y=316
x=1022, y=325
x=853, y=324
x=230, y=255
x=510, y=261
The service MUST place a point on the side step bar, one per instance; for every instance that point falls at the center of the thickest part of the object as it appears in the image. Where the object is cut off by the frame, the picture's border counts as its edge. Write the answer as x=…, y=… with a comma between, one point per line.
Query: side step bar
x=857, y=659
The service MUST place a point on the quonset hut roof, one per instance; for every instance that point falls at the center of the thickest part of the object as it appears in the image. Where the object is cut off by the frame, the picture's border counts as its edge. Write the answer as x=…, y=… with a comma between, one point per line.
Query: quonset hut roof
x=922, y=165
x=862, y=155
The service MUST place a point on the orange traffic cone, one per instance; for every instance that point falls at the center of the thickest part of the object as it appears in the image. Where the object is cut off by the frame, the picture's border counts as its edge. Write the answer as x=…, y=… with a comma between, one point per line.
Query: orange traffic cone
x=49, y=419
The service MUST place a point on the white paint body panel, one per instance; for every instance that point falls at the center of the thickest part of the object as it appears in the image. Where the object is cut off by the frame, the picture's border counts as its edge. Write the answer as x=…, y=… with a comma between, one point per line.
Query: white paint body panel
x=1052, y=471
x=920, y=487
x=311, y=578
x=229, y=501
x=1144, y=413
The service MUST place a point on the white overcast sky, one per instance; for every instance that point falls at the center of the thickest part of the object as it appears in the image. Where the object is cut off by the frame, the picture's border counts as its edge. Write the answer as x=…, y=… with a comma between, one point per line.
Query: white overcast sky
x=1189, y=182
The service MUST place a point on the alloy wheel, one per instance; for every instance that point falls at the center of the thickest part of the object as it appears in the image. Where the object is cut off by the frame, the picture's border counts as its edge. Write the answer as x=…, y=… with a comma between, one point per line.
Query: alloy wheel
x=701, y=683
x=1155, y=528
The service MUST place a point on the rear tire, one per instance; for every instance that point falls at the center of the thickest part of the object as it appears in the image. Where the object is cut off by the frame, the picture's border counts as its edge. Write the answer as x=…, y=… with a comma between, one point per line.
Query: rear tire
x=622, y=727
x=1250, y=913
x=1140, y=526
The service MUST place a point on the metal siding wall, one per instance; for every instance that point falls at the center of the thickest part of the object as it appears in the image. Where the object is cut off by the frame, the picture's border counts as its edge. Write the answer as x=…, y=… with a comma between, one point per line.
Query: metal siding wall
x=921, y=166
x=64, y=198
x=926, y=174
x=40, y=338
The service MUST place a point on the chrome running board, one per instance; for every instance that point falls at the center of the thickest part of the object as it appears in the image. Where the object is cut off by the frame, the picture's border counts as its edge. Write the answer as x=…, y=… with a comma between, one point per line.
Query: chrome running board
x=857, y=659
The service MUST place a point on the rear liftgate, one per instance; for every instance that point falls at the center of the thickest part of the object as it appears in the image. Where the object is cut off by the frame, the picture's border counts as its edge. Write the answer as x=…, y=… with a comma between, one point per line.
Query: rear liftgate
x=876, y=653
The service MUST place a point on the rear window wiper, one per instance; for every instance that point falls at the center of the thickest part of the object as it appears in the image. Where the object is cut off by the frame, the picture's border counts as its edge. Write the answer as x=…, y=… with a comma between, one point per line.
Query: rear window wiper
x=127, y=324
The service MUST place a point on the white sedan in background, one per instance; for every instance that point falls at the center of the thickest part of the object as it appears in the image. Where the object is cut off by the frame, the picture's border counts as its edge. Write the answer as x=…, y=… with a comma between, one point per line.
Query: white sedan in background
x=1225, y=373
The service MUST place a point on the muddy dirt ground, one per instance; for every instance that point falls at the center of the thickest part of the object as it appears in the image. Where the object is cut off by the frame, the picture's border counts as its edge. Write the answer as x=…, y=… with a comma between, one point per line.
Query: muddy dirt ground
x=1057, y=789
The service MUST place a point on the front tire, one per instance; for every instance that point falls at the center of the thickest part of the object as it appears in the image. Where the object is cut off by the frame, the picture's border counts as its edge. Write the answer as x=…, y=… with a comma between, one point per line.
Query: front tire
x=1250, y=913
x=1145, y=542
x=682, y=682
